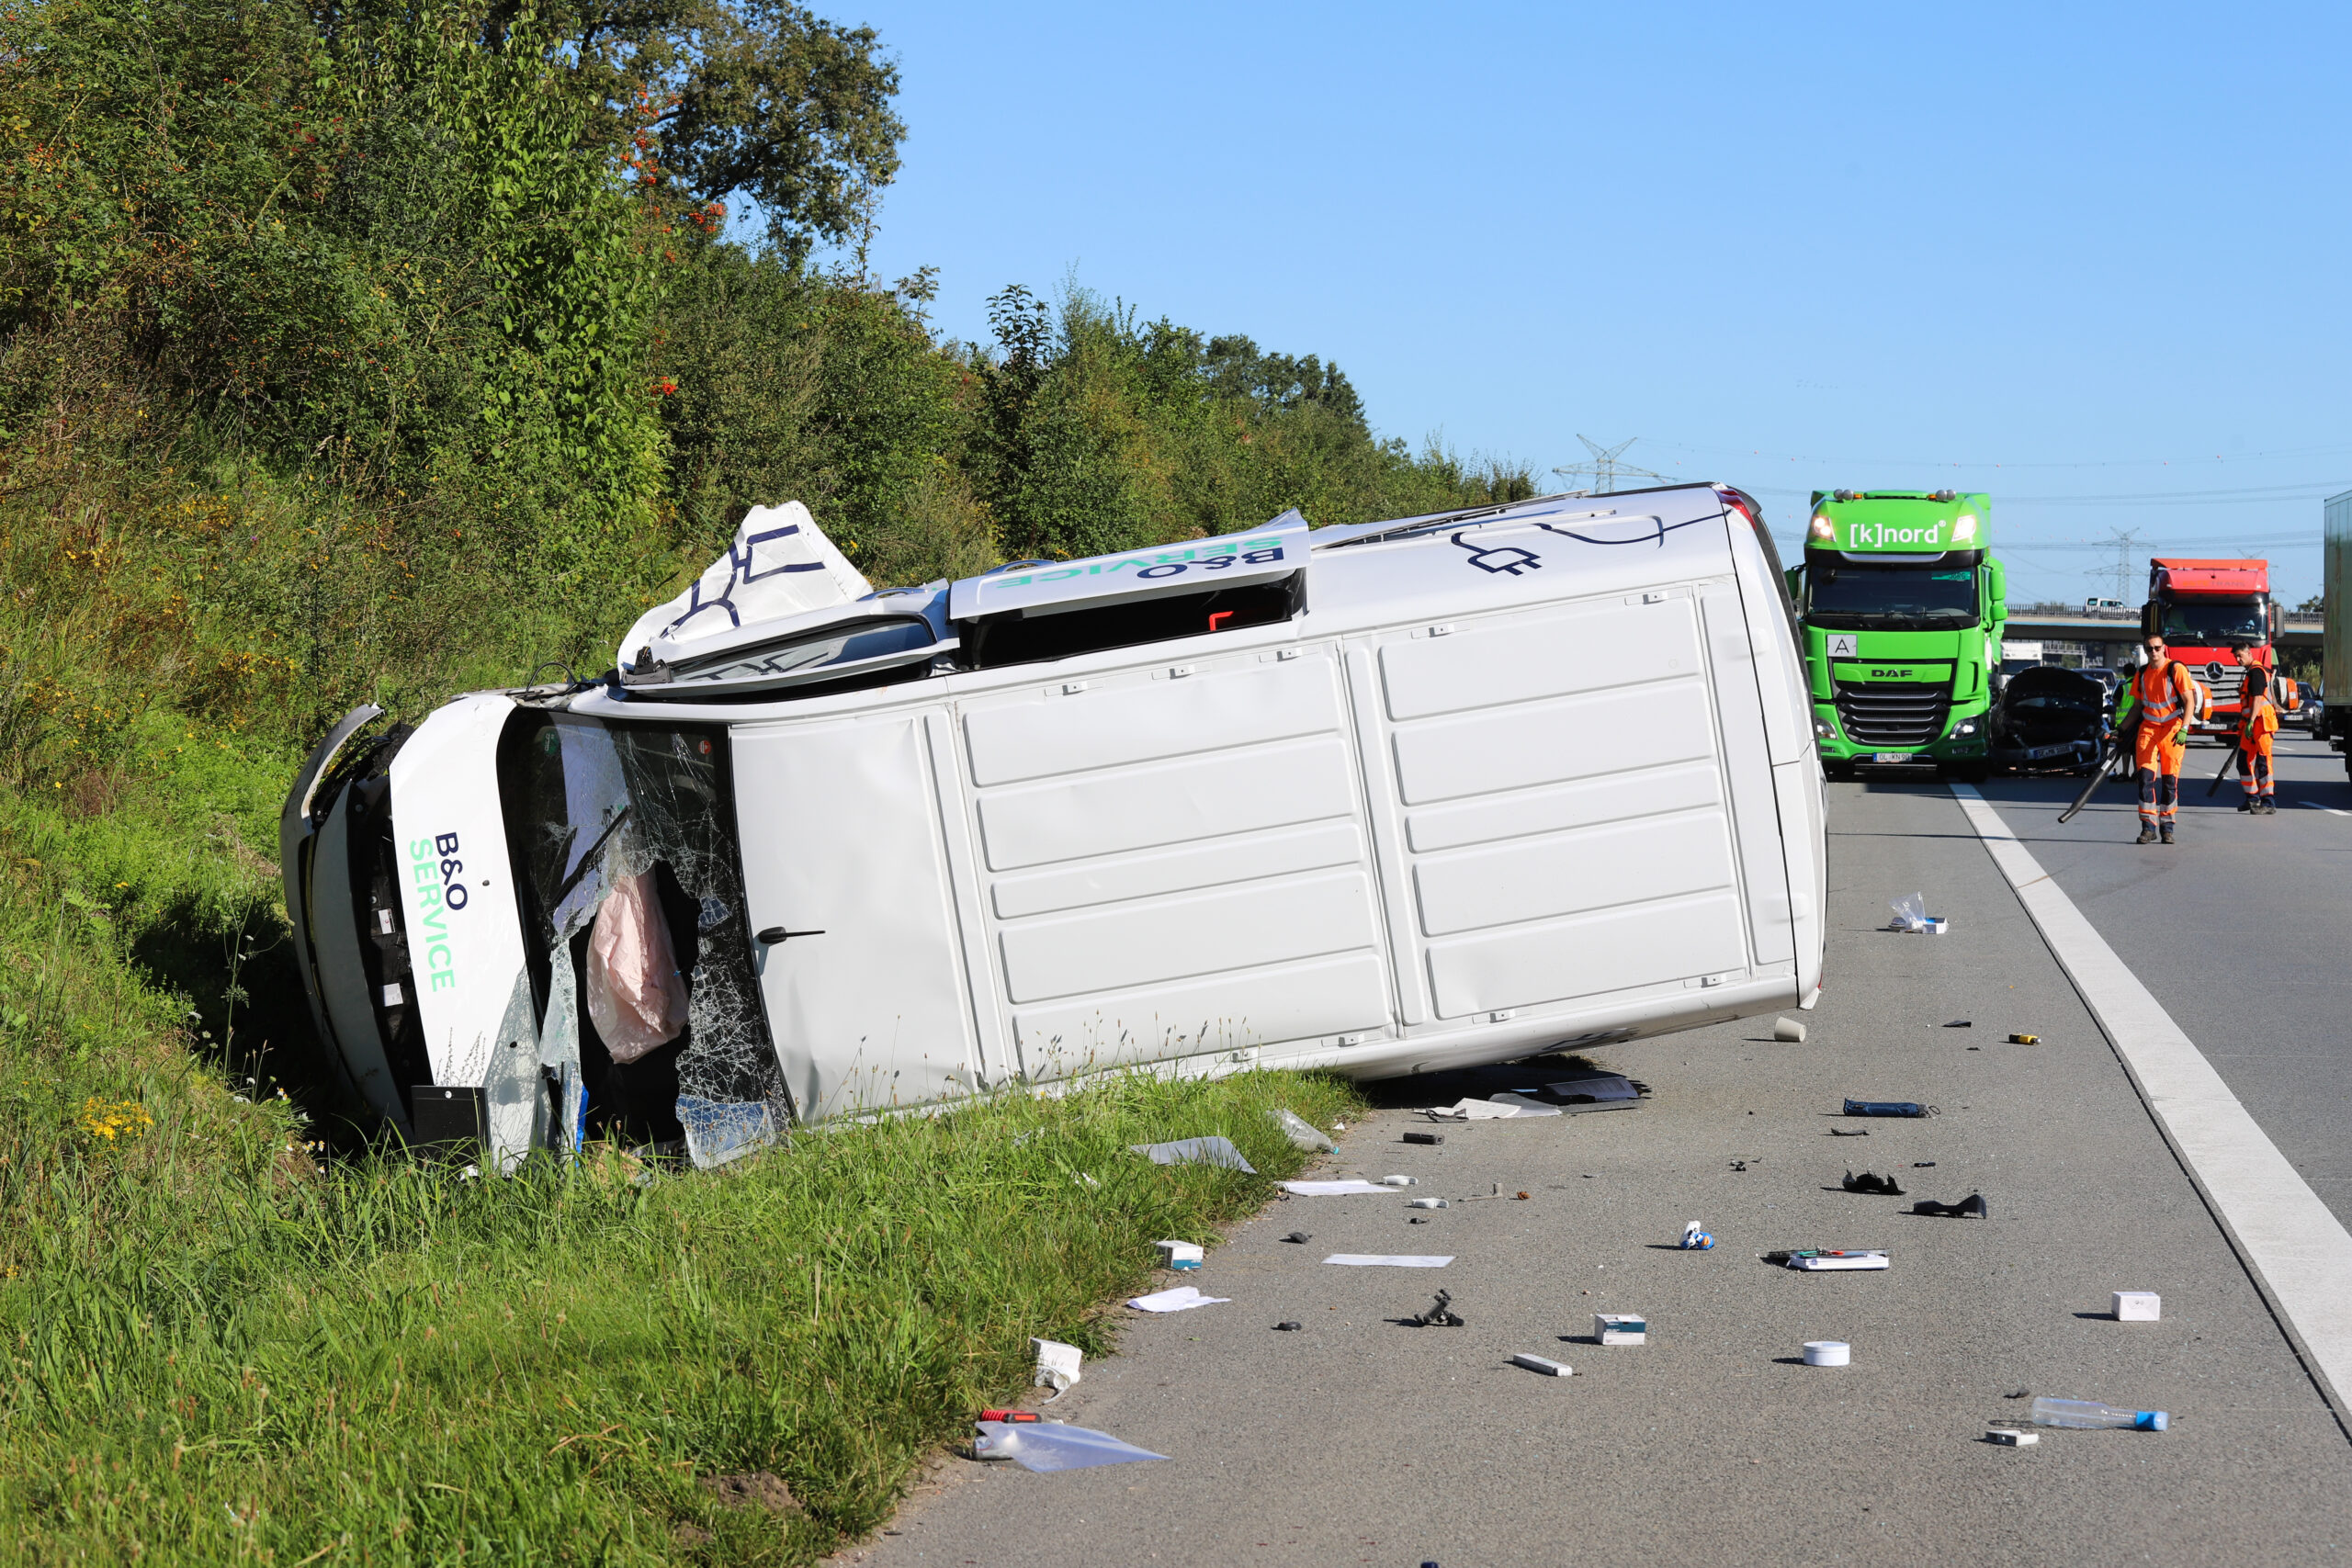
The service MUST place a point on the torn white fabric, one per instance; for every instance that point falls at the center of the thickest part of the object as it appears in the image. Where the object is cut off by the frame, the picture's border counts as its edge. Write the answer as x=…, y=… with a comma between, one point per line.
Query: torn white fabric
x=1195, y=1151
x=1330, y=1189
x=635, y=993
x=1183, y=1298
x=1389, y=1260
x=780, y=563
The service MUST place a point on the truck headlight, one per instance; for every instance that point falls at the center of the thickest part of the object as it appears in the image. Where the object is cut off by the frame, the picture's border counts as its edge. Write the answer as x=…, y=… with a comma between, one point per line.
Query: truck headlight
x=1964, y=528
x=1824, y=728
x=1965, y=726
x=1821, y=529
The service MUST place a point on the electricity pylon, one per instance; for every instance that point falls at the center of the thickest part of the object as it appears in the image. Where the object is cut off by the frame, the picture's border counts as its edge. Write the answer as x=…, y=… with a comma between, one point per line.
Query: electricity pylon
x=1604, y=469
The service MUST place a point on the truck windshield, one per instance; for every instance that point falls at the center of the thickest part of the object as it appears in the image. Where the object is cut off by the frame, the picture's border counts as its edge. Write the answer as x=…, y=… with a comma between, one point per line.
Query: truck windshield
x=631, y=888
x=1844, y=596
x=2216, y=623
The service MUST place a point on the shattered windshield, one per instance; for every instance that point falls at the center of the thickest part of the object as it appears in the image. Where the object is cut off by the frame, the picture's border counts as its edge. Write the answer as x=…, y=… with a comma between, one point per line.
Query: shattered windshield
x=631, y=890
x=1843, y=595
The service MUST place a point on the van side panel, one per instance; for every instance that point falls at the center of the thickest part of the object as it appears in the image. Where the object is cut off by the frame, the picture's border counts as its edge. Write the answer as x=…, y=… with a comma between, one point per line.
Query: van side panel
x=1564, y=805
x=845, y=843
x=1177, y=861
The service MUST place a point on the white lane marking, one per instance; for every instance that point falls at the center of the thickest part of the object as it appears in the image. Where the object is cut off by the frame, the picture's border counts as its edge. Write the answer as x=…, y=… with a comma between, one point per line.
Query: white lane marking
x=2332, y=811
x=2290, y=1241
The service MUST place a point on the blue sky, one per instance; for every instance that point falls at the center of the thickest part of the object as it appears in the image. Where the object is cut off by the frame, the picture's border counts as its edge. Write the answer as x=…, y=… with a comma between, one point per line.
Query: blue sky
x=2089, y=259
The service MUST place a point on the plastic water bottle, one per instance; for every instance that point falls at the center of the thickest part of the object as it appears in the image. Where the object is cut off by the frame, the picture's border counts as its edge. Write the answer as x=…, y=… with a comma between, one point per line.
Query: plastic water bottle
x=2091, y=1413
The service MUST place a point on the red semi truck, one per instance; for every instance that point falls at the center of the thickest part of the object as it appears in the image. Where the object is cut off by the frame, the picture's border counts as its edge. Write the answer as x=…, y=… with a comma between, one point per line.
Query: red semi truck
x=2208, y=612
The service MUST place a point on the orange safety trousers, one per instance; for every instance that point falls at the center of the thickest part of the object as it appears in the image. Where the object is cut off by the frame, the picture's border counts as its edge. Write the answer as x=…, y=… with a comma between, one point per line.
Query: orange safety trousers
x=2256, y=728
x=2159, y=750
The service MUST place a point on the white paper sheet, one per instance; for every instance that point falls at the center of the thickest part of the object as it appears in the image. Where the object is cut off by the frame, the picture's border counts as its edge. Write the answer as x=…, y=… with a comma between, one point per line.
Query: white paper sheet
x=1331, y=1189
x=1500, y=1108
x=1388, y=1260
x=1183, y=1298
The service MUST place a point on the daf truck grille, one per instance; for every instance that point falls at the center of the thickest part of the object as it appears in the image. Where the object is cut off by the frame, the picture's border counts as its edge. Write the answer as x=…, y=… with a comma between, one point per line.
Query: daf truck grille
x=1894, y=713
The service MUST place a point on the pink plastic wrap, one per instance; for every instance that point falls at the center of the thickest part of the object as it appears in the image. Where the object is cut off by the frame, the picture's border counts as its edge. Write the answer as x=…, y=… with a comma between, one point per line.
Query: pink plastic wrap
x=634, y=994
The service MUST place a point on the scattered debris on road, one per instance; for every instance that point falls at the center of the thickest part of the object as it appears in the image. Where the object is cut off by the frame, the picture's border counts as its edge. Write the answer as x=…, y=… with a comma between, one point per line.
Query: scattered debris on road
x=1888, y=1107
x=2011, y=1438
x=1815, y=1261
x=1425, y=1137
x=1388, y=1260
x=1788, y=1030
x=1620, y=1328
x=2138, y=1306
x=1828, y=1353
x=1544, y=1364
x=1695, y=1237
x=1289, y=1326
x=1183, y=1298
x=1058, y=1365
x=1439, y=1315
x=1302, y=1133
x=1971, y=1206
x=1047, y=1446
x=1181, y=1254
x=2088, y=1413
x=1298, y=1238
x=1884, y=1186
x=2024, y=1039
x=1428, y=1204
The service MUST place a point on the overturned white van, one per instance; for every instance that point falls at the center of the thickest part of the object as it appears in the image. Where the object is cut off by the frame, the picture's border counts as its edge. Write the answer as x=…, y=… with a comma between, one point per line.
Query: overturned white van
x=1384, y=799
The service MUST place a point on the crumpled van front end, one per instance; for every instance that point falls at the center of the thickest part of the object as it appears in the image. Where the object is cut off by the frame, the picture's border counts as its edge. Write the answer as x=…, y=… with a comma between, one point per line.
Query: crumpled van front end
x=397, y=883
x=446, y=885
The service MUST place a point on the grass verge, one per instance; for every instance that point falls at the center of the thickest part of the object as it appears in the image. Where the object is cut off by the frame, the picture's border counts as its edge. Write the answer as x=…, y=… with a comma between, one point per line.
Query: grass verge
x=387, y=1363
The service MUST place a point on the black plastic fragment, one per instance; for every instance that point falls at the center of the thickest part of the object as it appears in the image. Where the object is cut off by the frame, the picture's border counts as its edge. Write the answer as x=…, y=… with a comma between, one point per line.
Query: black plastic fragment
x=1972, y=1205
x=1425, y=1137
x=1884, y=1186
x=1299, y=1237
x=1289, y=1327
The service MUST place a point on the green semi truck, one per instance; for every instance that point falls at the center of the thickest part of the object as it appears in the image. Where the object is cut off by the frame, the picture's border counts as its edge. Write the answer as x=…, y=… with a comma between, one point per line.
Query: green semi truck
x=1902, y=608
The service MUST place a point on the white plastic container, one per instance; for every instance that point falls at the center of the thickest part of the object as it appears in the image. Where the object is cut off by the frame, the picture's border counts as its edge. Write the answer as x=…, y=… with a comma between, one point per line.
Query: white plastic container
x=2138, y=1306
x=1828, y=1353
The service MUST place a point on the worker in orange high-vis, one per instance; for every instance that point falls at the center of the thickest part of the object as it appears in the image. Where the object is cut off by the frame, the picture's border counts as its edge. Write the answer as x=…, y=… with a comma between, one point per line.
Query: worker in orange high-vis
x=2257, y=723
x=2161, y=697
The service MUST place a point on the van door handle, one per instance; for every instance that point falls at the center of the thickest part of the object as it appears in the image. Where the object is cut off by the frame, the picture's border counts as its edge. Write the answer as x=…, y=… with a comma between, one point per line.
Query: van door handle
x=775, y=934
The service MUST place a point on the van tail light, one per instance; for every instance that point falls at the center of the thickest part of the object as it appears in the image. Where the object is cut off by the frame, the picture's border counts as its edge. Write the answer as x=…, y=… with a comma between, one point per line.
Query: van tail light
x=1740, y=504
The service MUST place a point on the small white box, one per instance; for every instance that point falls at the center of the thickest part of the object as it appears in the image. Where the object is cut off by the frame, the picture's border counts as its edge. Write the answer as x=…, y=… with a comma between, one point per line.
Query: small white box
x=2011, y=1437
x=1179, y=1253
x=1620, y=1328
x=2138, y=1306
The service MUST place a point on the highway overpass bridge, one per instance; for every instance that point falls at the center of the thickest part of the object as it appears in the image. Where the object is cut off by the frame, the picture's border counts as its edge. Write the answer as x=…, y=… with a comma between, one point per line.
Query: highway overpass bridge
x=2123, y=629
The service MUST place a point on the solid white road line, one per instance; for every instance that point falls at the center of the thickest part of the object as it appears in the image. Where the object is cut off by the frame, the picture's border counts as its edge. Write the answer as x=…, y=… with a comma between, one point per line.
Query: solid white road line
x=2289, y=1239
x=2332, y=811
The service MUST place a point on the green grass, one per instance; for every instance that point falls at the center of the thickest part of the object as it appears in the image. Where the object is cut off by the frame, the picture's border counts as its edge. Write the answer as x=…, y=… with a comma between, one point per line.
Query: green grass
x=230, y=1332
x=212, y=1358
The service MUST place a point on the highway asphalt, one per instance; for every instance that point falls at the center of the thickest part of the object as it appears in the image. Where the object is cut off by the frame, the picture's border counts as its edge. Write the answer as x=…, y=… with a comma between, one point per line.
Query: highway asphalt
x=2243, y=930
x=1361, y=1440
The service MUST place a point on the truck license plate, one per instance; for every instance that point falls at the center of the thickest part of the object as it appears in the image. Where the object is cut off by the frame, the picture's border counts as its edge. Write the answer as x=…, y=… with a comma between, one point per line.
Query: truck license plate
x=1890, y=756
